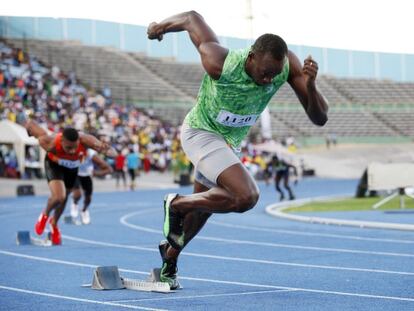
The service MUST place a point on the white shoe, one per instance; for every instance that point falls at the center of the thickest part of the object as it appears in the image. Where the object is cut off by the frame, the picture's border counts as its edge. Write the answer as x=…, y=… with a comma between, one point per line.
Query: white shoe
x=85, y=217
x=74, y=210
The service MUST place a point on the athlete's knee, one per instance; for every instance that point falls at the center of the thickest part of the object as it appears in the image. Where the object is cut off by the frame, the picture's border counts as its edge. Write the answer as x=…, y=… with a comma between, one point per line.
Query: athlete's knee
x=205, y=215
x=247, y=201
x=57, y=199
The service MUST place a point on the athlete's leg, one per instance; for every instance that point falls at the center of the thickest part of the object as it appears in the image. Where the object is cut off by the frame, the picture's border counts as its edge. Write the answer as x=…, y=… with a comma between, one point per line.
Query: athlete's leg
x=55, y=235
x=287, y=187
x=57, y=195
x=87, y=187
x=87, y=201
x=59, y=208
x=55, y=176
x=236, y=192
x=69, y=180
x=76, y=195
x=74, y=208
x=193, y=222
x=233, y=189
x=278, y=178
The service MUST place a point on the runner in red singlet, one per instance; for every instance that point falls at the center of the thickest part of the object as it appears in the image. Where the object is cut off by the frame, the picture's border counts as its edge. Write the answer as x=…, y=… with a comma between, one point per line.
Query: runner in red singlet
x=65, y=152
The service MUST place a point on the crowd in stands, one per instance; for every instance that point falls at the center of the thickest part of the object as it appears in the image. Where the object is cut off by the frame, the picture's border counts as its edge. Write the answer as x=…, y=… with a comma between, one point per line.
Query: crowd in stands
x=57, y=100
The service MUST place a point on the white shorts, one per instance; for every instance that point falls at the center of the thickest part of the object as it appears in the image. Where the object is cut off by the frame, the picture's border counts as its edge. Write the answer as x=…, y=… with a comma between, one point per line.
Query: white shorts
x=209, y=153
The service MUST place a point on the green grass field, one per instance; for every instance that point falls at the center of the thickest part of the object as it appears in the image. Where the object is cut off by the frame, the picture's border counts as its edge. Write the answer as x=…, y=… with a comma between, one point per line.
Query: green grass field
x=352, y=204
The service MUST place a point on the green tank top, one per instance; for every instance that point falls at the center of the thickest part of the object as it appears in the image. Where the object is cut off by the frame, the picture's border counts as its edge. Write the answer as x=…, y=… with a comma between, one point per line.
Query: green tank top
x=231, y=105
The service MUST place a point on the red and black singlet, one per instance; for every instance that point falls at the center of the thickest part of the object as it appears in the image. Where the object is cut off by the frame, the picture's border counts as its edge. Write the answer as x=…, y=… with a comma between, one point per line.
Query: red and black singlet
x=64, y=159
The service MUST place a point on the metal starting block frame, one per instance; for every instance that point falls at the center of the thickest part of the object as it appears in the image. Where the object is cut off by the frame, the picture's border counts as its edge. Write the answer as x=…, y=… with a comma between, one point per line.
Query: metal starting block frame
x=24, y=238
x=108, y=278
x=71, y=221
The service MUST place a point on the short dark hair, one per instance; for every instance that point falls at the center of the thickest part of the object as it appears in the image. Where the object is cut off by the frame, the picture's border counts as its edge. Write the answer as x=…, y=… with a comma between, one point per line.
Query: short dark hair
x=70, y=134
x=270, y=43
x=275, y=158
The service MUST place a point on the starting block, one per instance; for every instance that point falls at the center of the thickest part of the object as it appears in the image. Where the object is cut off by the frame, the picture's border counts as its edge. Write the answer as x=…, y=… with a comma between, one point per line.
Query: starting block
x=71, y=221
x=108, y=278
x=24, y=238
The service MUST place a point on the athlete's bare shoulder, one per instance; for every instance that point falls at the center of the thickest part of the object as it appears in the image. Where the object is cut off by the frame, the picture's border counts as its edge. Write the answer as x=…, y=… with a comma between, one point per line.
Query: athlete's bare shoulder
x=47, y=142
x=213, y=56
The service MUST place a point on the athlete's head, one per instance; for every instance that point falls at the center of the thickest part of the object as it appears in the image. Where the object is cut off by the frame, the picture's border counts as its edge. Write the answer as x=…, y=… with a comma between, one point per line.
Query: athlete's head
x=266, y=58
x=275, y=159
x=70, y=140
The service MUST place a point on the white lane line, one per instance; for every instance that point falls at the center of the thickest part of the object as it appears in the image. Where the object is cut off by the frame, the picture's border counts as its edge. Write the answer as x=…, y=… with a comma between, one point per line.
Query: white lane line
x=313, y=248
x=140, y=248
x=124, y=221
x=101, y=208
x=114, y=304
x=310, y=290
x=71, y=263
x=250, y=260
x=211, y=295
x=324, y=235
x=58, y=261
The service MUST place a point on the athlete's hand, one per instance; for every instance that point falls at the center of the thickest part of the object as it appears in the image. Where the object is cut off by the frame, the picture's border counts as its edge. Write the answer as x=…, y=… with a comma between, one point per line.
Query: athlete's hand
x=106, y=149
x=111, y=152
x=99, y=173
x=154, y=31
x=310, y=70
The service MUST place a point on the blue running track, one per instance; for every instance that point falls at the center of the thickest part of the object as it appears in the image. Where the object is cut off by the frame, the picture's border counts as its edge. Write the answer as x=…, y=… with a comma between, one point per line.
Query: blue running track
x=249, y=261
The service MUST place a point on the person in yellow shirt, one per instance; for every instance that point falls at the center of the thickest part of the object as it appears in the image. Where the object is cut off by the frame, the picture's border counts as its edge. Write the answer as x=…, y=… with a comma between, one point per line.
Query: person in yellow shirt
x=12, y=116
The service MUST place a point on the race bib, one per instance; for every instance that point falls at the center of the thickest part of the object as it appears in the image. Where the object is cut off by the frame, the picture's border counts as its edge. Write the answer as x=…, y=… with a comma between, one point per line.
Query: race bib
x=236, y=120
x=69, y=163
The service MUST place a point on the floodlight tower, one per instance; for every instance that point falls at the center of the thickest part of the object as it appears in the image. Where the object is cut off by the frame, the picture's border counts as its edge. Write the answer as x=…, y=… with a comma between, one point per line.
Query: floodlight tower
x=265, y=118
x=249, y=19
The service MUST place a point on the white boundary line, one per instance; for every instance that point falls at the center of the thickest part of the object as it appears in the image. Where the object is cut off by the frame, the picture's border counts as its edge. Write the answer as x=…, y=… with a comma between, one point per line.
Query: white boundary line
x=277, y=209
x=210, y=295
x=113, y=304
x=71, y=263
x=249, y=260
x=124, y=221
x=323, y=235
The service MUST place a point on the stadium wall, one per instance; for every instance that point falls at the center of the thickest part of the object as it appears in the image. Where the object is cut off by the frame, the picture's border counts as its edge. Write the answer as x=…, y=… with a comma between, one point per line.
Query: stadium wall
x=335, y=62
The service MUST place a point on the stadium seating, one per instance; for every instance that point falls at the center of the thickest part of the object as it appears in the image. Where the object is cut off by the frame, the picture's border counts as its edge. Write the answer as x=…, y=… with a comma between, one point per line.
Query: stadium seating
x=359, y=107
x=99, y=67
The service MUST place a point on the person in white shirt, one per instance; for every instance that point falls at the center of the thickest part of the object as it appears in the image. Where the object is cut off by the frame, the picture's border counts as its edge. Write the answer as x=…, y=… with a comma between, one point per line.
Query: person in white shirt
x=84, y=181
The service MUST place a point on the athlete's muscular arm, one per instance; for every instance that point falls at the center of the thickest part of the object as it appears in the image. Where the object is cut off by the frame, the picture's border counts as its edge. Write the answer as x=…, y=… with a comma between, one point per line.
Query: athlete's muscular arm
x=97, y=145
x=295, y=171
x=302, y=80
x=205, y=40
x=45, y=141
x=34, y=129
x=104, y=168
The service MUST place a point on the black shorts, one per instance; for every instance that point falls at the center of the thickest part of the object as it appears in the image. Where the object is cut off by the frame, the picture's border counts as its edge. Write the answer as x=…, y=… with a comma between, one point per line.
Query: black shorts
x=282, y=173
x=56, y=172
x=86, y=183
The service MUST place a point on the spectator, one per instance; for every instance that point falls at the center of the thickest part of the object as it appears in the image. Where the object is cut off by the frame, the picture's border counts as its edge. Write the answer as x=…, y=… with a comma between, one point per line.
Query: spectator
x=120, y=169
x=133, y=165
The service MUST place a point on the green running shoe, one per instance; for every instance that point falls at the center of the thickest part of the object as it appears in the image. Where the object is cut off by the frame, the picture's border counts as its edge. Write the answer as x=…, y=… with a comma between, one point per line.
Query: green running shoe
x=173, y=224
x=168, y=273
